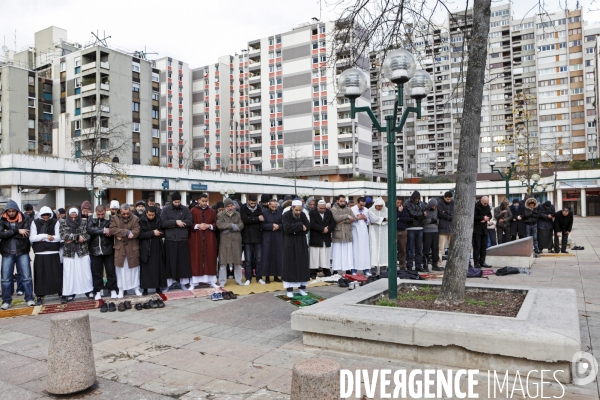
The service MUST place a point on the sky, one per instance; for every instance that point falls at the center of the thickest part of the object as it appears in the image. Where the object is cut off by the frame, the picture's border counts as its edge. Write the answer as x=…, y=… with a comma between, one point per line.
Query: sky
x=197, y=32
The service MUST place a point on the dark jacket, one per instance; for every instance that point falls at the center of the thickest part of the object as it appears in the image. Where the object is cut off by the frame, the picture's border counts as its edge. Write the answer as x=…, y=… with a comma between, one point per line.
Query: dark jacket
x=445, y=214
x=317, y=225
x=252, y=232
x=481, y=211
x=562, y=223
x=543, y=221
x=431, y=224
x=147, y=239
x=9, y=233
x=416, y=211
x=169, y=215
x=100, y=244
x=530, y=215
x=402, y=219
x=517, y=227
x=505, y=217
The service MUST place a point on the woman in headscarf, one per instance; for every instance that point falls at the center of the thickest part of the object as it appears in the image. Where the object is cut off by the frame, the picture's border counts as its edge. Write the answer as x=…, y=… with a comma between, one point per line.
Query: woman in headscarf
x=77, y=274
x=378, y=214
x=47, y=269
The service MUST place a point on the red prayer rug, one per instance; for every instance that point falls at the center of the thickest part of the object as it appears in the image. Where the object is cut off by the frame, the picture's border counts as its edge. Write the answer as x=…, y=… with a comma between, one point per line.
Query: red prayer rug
x=72, y=306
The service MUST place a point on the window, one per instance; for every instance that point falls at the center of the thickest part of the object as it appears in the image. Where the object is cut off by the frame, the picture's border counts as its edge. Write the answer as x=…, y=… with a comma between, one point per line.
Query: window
x=31, y=102
x=155, y=152
x=31, y=124
x=135, y=106
x=323, y=58
x=135, y=127
x=63, y=66
x=155, y=96
x=316, y=88
x=155, y=133
x=135, y=87
x=590, y=50
x=322, y=29
x=47, y=108
x=135, y=67
x=575, y=43
x=77, y=82
x=77, y=124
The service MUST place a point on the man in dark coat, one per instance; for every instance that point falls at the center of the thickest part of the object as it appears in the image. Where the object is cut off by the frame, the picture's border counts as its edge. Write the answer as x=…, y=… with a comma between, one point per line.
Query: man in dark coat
x=445, y=215
x=545, y=226
x=14, y=247
x=530, y=219
x=152, y=203
x=321, y=226
x=483, y=214
x=563, y=224
x=517, y=224
x=102, y=253
x=503, y=216
x=252, y=217
x=176, y=220
x=140, y=209
x=417, y=210
x=152, y=256
x=272, y=242
x=296, y=272
x=203, y=244
x=402, y=221
x=264, y=201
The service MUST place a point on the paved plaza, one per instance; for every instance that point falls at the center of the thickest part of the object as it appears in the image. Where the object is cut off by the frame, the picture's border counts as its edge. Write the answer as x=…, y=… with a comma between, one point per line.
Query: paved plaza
x=245, y=349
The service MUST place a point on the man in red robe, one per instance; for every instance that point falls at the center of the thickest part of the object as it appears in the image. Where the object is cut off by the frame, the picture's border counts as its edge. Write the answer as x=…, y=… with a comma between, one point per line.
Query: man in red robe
x=202, y=243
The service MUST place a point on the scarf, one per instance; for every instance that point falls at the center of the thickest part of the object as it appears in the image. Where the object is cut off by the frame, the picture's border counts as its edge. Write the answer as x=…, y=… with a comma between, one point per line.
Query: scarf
x=252, y=209
x=45, y=225
x=73, y=225
x=17, y=219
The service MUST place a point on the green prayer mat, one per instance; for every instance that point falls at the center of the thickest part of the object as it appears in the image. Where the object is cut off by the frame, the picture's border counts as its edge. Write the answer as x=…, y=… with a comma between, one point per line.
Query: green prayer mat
x=301, y=301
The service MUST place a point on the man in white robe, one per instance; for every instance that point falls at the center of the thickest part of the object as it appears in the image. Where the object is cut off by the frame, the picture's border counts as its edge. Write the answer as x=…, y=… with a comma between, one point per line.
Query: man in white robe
x=378, y=233
x=360, y=238
x=341, y=246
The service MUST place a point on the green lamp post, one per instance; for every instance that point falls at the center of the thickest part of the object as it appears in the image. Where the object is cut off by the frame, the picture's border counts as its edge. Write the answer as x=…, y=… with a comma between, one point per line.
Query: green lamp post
x=398, y=67
x=508, y=175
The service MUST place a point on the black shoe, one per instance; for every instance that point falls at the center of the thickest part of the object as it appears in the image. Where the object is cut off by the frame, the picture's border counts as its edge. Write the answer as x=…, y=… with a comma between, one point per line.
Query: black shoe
x=484, y=265
x=112, y=307
x=138, y=306
x=158, y=291
x=145, y=292
x=39, y=301
x=438, y=269
x=63, y=299
x=70, y=299
x=267, y=280
x=161, y=303
x=276, y=279
x=565, y=252
x=90, y=295
x=476, y=266
x=121, y=307
x=104, y=307
x=420, y=270
x=153, y=304
x=127, y=304
x=146, y=305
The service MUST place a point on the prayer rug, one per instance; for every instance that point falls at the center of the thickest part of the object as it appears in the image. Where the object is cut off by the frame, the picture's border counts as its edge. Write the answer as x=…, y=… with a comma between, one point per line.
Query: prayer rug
x=186, y=294
x=16, y=312
x=256, y=288
x=72, y=306
x=301, y=301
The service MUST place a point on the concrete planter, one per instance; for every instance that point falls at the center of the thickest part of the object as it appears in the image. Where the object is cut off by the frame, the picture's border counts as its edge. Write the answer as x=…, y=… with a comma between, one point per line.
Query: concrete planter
x=544, y=335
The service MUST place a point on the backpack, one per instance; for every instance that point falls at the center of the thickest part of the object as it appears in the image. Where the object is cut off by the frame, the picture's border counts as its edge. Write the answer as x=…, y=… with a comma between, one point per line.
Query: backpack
x=507, y=271
x=474, y=273
x=343, y=282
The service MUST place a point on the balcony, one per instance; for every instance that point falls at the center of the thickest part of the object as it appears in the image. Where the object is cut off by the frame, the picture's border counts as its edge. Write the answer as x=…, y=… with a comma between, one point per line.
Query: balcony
x=87, y=88
x=87, y=131
x=255, y=118
x=344, y=137
x=255, y=160
x=255, y=132
x=255, y=146
x=254, y=105
x=105, y=65
x=254, y=92
x=253, y=50
x=104, y=86
x=88, y=66
x=343, y=152
x=253, y=65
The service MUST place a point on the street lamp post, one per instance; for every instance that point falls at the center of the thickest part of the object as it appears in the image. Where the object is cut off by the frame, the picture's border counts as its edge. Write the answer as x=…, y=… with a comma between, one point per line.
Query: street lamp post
x=227, y=192
x=398, y=67
x=98, y=196
x=508, y=174
x=535, y=178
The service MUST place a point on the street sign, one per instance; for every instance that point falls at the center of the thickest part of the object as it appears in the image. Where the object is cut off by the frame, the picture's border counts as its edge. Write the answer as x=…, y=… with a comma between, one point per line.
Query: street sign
x=199, y=186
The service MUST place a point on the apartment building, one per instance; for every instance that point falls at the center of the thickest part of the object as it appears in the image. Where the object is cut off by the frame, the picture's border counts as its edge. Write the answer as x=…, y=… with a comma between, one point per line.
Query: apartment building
x=55, y=94
x=551, y=56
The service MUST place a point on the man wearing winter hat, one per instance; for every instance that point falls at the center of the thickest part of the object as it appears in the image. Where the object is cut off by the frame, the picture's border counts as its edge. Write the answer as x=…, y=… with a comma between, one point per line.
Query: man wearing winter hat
x=445, y=215
x=114, y=207
x=264, y=201
x=545, y=226
x=176, y=219
x=229, y=222
x=431, y=239
x=417, y=210
x=102, y=253
x=14, y=247
x=86, y=209
x=140, y=209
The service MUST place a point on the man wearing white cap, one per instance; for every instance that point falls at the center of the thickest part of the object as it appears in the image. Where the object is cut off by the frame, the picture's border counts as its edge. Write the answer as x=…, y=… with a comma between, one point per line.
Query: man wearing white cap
x=45, y=241
x=321, y=226
x=360, y=237
x=114, y=207
x=77, y=274
x=296, y=272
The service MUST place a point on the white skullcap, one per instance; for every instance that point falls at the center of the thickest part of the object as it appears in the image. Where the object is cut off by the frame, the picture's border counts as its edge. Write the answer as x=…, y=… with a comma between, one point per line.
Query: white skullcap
x=73, y=210
x=296, y=203
x=114, y=204
x=321, y=202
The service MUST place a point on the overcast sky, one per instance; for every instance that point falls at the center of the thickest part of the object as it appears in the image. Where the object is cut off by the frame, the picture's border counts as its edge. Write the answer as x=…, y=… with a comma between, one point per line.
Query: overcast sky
x=197, y=32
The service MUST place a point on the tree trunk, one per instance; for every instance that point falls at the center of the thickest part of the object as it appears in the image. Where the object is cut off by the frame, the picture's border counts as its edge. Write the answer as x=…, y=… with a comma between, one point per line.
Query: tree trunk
x=453, y=285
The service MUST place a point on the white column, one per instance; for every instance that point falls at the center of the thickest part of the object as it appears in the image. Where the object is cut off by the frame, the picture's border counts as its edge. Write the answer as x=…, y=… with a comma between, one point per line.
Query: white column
x=583, y=204
x=243, y=198
x=184, y=198
x=60, y=198
x=496, y=200
x=15, y=195
x=129, y=196
x=158, y=197
x=558, y=206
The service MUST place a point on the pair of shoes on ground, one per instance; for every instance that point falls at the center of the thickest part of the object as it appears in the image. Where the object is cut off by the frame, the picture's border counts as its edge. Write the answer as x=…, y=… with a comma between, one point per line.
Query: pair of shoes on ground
x=353, y=285
x=301, y=292
x=216, y=296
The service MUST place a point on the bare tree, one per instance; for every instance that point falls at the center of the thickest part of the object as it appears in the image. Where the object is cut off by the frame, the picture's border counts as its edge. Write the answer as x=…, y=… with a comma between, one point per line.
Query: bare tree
x=45, y=136
x=526, y=144
x=556, y=155
x=225, y=164
x=99, y=147
x=295, y=165
x=192, y=158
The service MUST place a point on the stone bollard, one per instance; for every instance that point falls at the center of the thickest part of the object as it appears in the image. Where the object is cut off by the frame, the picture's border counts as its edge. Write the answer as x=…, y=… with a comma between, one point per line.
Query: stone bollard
x=316, y=378
x=71, y=365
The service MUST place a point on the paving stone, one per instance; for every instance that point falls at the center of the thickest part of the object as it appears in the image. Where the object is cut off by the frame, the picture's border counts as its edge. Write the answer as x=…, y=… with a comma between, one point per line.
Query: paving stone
x=283, y=358
x=138, y=373
x=176, y=383
x=117, y=344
